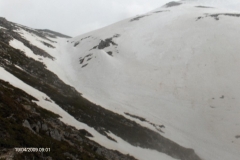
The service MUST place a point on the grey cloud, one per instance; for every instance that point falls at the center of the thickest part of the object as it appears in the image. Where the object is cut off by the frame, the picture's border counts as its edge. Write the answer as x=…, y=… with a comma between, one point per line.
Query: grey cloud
x=76, y=16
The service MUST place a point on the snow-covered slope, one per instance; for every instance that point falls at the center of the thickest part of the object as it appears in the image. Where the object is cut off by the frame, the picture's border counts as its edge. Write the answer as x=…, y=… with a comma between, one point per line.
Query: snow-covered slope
x=176, y=66
x=27, y=58
x=173, y=70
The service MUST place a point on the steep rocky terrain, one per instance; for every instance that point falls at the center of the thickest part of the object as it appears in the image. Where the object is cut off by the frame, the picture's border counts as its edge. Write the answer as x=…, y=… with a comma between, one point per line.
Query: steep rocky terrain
x=25, y=124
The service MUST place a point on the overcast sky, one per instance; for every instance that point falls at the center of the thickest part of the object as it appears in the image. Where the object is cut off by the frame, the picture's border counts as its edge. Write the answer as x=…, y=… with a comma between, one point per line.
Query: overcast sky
x=73, y=17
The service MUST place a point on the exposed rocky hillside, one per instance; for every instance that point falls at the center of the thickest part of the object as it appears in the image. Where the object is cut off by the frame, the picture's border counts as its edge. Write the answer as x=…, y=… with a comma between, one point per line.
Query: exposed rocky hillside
x=23, y=124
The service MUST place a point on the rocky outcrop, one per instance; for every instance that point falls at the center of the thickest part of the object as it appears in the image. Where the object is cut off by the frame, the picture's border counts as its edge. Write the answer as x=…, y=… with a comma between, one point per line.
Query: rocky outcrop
x=21, y=127
x=55, y=134
x=216, y=16
x=7, y=35
x=172, y=4
x=138, y=17
x=52, y=33
x=106, y=43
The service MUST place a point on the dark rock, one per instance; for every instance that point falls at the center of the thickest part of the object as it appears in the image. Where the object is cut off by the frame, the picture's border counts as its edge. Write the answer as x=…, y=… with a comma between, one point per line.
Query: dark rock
x=68, y=155
x=161, y=126
x=81, y=60
x=35, y=128
x=44, y=127
x=133, y=116
x=216, y=16
x=137, y=18
x=106, y=43
x=48, y=45
x=48, y=158
x=88, y=55
x=27, y=107
x=76, y=136
x=161, y=11
x=99, y=151
x=203, y=7
x=116, y=35
x=93, y=48
x=172, y=4
x=109, y=53
x=26, y=124
x=85, y=38
x=55, y=134
x=84, y=65
x=85, y=133
x=47, y=99
x=54, y=33
x=75, y=44
x=39, y=124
